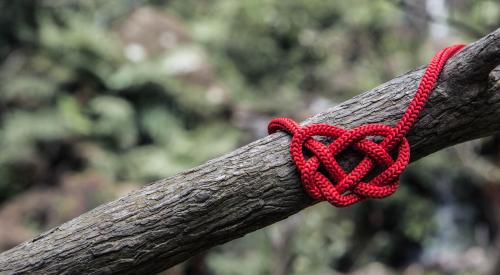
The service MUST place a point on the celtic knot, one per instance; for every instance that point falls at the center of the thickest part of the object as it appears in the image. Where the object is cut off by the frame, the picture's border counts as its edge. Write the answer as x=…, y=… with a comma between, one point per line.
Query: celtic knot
x=321, y=174
x=349, y=187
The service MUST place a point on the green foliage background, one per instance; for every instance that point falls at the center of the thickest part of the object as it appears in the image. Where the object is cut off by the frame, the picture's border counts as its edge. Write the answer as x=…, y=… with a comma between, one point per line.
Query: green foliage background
x=79, y=101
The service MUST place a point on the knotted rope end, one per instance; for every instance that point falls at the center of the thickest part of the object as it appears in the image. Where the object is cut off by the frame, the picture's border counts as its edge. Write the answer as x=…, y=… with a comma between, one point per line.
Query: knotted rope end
x=321, y=174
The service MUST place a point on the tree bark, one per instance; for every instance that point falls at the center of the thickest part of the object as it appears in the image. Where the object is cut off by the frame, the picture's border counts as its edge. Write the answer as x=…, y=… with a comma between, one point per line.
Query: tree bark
x=173, y=219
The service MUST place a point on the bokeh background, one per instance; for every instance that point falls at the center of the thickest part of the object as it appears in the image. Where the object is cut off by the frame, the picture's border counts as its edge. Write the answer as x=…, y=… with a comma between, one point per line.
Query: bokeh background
x=100, y=97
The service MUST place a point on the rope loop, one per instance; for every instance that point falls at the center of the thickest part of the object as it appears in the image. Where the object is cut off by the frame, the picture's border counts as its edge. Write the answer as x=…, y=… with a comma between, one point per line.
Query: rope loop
x=322, y=176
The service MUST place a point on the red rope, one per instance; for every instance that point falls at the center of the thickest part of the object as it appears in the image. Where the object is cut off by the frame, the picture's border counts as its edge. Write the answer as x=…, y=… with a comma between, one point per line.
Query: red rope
x=319, y=170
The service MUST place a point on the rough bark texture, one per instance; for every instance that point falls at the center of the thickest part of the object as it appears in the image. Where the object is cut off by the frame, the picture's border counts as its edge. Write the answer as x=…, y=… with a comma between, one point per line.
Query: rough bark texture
x=170, y=220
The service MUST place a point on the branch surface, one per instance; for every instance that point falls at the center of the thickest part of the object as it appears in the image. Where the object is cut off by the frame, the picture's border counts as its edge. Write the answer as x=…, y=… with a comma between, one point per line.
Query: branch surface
x=165, y=223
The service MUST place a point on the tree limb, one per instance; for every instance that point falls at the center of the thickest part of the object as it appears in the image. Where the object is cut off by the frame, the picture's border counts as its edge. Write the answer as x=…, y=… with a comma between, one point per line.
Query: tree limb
x=168, y=221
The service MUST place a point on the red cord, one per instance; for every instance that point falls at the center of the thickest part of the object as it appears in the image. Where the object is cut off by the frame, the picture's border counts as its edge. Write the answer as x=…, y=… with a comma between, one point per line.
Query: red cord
x=318, y=171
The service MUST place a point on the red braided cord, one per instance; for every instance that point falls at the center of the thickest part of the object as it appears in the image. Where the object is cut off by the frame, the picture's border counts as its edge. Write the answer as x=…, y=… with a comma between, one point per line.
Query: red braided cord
x=352, y=187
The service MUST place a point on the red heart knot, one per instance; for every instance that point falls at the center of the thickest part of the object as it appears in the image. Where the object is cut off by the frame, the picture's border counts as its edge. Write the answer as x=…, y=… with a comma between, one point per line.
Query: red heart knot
x=321, y=174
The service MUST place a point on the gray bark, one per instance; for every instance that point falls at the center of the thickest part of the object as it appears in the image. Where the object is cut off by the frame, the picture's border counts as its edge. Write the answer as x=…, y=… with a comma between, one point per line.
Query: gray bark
x=168, y=221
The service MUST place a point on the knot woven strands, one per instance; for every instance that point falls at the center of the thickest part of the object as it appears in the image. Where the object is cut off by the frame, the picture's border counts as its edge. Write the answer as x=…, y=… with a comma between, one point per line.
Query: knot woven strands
x=323, y=177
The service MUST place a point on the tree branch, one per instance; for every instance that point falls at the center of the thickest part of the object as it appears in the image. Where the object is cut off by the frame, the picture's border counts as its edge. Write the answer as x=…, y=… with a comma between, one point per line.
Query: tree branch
x=166, y=222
